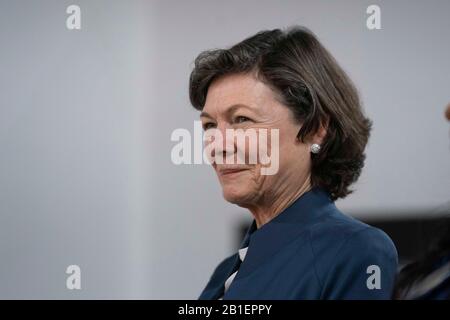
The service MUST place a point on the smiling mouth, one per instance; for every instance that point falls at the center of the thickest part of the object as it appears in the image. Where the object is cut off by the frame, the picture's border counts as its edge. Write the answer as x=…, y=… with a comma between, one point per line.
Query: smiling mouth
x=227, y=172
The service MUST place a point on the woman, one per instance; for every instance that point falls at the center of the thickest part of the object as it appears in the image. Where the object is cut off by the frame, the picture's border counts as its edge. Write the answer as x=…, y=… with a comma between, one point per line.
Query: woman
x=300, y=246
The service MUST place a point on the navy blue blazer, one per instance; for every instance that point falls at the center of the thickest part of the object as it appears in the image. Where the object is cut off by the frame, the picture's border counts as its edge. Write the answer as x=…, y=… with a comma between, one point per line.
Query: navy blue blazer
x=311, y=250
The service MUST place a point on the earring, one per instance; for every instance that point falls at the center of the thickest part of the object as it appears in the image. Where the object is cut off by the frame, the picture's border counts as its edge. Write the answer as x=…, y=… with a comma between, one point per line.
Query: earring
x=315, y=148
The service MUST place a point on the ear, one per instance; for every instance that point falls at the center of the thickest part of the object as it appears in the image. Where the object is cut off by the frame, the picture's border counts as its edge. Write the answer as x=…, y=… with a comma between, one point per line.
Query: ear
x=321, y=133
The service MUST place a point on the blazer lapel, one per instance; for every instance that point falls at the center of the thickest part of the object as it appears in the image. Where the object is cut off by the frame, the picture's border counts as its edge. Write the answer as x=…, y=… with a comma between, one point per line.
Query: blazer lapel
x=215, y=288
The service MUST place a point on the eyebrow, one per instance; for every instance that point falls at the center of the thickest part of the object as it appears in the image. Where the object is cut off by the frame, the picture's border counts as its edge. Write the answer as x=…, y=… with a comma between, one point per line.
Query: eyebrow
x=230, y=110
x=205, y=114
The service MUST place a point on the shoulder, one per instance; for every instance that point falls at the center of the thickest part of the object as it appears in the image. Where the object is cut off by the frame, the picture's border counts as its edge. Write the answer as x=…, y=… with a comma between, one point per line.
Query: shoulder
x=346, y=252
x=340, y=234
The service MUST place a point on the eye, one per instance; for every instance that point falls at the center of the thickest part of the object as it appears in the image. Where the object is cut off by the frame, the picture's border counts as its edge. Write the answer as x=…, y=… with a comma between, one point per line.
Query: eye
x=241, y=119
x=208, y=125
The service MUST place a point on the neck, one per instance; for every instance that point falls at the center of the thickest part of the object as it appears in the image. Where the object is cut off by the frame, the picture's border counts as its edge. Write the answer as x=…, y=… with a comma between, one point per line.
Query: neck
x=275, y=204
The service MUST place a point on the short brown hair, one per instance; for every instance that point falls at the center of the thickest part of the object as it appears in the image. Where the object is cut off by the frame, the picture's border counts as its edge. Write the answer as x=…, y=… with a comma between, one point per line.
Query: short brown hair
x=308, y=80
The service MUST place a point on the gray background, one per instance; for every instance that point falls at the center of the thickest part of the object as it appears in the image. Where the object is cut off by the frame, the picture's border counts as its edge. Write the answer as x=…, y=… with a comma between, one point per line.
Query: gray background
x=86, y=117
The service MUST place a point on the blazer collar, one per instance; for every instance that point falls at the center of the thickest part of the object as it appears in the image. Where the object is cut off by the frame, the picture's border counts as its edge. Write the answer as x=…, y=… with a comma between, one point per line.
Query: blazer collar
x=264, y=242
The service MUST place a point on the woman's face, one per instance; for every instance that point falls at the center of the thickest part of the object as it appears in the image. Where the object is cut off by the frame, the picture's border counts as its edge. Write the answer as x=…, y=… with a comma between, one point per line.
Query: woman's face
x=240, y=101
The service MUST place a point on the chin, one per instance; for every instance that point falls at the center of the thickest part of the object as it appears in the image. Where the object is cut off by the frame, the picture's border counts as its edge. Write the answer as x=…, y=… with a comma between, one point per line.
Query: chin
x=236, y=194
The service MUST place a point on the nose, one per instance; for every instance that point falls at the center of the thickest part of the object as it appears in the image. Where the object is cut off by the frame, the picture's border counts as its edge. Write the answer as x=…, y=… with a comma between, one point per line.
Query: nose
x=222, y=146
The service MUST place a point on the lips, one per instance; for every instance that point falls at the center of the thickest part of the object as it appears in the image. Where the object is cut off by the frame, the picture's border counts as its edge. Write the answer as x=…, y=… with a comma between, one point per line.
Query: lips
x=230, y=171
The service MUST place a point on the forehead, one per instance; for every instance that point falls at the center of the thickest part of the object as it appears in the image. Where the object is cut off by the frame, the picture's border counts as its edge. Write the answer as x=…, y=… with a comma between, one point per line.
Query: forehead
x=238, y=89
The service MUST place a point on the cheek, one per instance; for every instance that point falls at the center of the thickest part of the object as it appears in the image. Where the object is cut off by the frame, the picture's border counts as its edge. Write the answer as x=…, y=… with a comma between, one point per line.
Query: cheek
x=257, y=181
x=294, y=156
